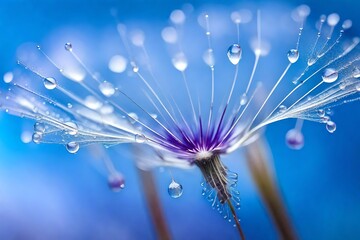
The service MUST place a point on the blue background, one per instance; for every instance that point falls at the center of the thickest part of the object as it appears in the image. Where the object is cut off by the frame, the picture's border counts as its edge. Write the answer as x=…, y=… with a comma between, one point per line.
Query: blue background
x=47, y=193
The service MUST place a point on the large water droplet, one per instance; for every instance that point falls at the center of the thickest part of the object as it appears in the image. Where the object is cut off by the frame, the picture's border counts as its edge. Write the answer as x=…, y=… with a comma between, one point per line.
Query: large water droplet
x=140, y=138
x=294, y=139
x=356, y=72
x=68, y=47
x=333, y=19
x=39, y=128
x=71, y=128
x=117, y=64
x=72, y=147
x=330, y=75
x=116, y=182
x=50, y=83
x=330, y=126
x=180, y=62
x=36, y=137
x=293, y=55
x=107, y=89
x=175, y=189
x=234, y=53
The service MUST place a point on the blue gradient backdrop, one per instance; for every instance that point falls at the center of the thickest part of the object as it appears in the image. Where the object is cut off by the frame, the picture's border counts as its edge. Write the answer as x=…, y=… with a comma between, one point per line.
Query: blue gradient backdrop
x=47, y=193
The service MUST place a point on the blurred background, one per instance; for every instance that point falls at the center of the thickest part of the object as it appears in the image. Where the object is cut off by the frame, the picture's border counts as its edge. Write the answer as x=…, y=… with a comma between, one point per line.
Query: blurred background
x=47, y=193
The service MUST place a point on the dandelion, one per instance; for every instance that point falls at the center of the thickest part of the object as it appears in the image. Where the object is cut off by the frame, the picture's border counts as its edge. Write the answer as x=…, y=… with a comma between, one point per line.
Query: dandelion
x=76, y=106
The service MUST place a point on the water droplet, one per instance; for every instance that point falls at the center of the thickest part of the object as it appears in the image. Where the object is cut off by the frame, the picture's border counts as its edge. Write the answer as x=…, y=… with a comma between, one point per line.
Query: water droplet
x=282, y=108
x=71, y=128
x=243, y=99
x=177, y=17
x=293, y=55
x=330, y=126
x=321, y=112
x=175, y=189
x=92, y=103
x=135, y=68
x=311, y=61
x=209, y=58
x=117, y=64
x=347, y=24
x=72, y=147
x=116, y=182
x=39, y=128
x=68, y=47
x=180, y=62
x=133, y=117
x=234, y=53
x=294, y=139
x=36, y=137
x=330, y=75
x=356, y=72
x=8, y=77
x=107, y=89
x=169, y=35
x=333, y=19
x=140, y=138
x=342, y=85
x=26, y=136
x=50, y=83
x=69, y=105
x=357, y=87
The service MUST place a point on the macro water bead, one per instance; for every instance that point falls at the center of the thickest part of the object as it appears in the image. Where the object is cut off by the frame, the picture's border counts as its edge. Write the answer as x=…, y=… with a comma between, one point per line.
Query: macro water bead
x=175, y=189
x=185, y=93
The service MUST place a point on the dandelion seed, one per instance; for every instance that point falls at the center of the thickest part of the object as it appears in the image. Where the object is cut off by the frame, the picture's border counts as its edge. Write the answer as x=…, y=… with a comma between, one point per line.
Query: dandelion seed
x=179, y=133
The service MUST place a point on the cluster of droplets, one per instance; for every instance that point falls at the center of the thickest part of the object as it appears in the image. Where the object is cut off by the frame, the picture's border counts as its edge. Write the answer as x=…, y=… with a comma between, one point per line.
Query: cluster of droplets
x=211, y=195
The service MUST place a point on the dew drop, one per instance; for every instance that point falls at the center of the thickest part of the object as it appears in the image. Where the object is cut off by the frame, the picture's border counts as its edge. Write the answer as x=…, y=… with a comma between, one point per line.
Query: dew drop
x=8, y=77
x=72, y=147
x=356, y=72
x=71, y=128
x=330, y=126
x=26, y=136
x=175, y=189
x=282, y=108
x=321, y=112
x=347, y=24
x=177, y=17
x=133, y=117
x=243, y=99
x=357, y=87
x=117, y=64
x=180, y=62
x=169, y=35
x=342, y=85
x=50, y=83
x=294, y=139
x=116, y=182
x=333, y=19
x=330, y=75
x=107, y=89
x=68, y=47
x=92, y=103
x=209, y=58
x=311, y=61
x=293, y=55
x=39, y=128
x=69, y=105
x=36, y=137
x=234, y=53
x=140, y=138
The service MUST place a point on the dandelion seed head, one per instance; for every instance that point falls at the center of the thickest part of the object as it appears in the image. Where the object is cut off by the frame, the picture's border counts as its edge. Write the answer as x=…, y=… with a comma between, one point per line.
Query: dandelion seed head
x=165, y=99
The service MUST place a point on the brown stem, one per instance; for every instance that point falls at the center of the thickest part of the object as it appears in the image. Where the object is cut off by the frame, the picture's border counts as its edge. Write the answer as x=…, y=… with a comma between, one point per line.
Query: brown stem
x=238, y=226
x=154, y=205
x=258, y=159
